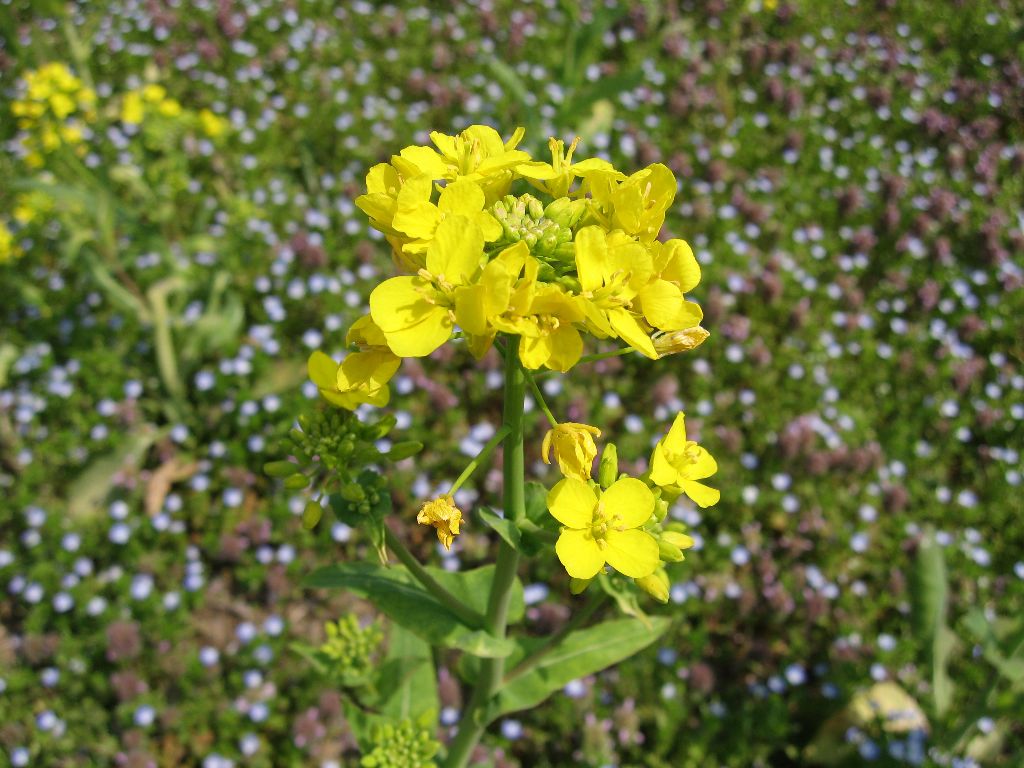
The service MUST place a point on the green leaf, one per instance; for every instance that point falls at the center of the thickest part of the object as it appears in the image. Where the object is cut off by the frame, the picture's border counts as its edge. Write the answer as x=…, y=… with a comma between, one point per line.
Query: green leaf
x=397, y=594
x=503, y=527
x=406, y=681
x=473, y=588
x=581, y=653
x=625, y=596
x=89, y=490
x=929, y=593
x=537, y=506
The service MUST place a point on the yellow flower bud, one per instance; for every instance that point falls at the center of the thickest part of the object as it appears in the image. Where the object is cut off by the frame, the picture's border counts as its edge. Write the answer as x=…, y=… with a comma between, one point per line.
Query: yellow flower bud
x=444, y=516
x=574, y=448
x=656, y=585
x=674, y=342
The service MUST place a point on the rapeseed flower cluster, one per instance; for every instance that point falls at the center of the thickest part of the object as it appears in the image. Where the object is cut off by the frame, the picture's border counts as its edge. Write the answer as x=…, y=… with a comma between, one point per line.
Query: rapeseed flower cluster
x=620, y=520
x=578, y=254
x=52, y=109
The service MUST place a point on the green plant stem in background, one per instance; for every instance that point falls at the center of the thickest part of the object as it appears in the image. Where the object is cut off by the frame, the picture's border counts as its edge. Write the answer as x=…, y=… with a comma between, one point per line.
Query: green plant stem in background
x=446, y=598
x=474, y=718
x=483, y=456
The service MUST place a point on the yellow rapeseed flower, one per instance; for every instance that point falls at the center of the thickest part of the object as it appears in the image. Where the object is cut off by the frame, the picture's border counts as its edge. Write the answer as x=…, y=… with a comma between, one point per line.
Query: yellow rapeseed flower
x=417, y=313
x=604, y=529
x=677, y=464
x=574, y=448
x=363, y=376
x=8, y=247
x=444, y=516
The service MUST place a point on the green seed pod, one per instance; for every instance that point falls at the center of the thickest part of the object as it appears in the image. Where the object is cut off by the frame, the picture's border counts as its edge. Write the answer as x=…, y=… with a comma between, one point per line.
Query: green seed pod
x=608, y=469
x=311, y=515
x=279, y=468
x=296, y=482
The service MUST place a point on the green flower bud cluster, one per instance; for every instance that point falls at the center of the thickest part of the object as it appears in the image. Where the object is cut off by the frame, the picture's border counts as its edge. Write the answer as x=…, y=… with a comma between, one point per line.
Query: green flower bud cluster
x=401, y=745
x=548, y=232
x=350, y=647
x=327, y=451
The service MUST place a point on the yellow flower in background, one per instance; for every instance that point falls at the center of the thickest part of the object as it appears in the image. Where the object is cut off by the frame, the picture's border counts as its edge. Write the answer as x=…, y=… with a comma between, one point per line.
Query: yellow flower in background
x=212, y=125
x=132, y=108
x=417, y=313
x=677, y=465
x=604, y=529
x=574, y=448
x=444, y=516
x=8, y=246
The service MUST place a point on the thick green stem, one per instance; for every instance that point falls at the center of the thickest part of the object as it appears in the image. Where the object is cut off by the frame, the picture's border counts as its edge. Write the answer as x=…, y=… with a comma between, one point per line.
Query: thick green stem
x=432, y=585
x=475, y=718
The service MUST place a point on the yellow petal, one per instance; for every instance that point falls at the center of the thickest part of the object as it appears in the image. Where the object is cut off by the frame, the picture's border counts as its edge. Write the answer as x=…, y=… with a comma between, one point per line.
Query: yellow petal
x=423, y=160
x=418, y=220
x=629, y=331
x=534, y=351
x=323, y=370
x=662, y=471
x=456, y=250
x=679, y=265
x=704, y=466
x=463, y=197
x=702, y=495
x=675, y=440
x=421, y=339
x=571, y=502
x=566, y=348
x=629, y=499
x=632, y=553
x=591, y=257
x=400, y=302
x=580, y=554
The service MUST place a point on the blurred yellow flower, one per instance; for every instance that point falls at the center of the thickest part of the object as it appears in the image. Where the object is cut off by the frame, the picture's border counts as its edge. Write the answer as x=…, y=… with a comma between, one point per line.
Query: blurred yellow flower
x=574, y=448
x=444, y=516
x=8, y=246
x=604, y=529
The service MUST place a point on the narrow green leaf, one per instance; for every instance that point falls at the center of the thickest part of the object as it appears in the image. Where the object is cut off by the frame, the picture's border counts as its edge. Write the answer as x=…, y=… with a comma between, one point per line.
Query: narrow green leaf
x=89, y=490
x=504, y=528
x=580, y=653
x=397, y=594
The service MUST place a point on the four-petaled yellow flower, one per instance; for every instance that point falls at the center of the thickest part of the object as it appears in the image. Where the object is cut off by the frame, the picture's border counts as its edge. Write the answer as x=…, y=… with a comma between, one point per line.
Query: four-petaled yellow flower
x=363, y=376
x=574, y=448
x=677, y=464
x=604, y=529
x=444, y=516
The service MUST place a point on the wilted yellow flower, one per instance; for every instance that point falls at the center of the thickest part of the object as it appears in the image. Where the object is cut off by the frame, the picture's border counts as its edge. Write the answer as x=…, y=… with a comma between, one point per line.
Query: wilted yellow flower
x=444, y=516
x=574, y=448
x=677, y=464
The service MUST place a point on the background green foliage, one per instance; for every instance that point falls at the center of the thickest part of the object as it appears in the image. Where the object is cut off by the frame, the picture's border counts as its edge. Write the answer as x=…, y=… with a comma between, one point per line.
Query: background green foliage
x=851, y=181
